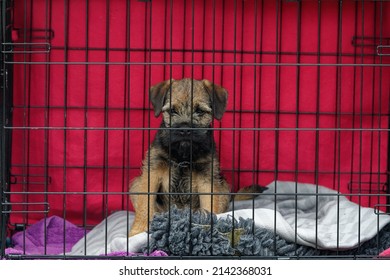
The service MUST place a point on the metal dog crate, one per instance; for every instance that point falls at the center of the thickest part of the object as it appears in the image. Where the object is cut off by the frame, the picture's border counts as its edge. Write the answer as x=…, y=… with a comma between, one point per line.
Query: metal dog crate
x=308, y=85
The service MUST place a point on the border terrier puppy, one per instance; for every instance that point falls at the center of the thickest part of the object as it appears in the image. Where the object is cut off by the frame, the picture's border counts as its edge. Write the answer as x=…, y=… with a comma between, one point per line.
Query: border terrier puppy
x=181, y=167
x=182, y=159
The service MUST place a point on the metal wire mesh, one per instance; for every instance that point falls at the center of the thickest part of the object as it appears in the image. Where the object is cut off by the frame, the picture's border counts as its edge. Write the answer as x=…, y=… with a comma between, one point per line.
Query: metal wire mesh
x=308, y=97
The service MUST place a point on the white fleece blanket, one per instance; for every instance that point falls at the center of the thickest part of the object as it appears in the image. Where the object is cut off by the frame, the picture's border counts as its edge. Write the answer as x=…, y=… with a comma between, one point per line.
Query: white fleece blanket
x=303, y=213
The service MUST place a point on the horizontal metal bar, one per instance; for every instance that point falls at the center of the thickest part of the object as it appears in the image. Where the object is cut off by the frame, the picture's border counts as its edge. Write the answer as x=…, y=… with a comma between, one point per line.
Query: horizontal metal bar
x=351, y=187
x=368, y=41
x=189, y=193
x=21, y=48
x=33, y=34
x=25, y=204
x=244, y=52
x=184, y=257
x=128, y=109
x=251, y=129
x=27, y=179
x=383, y=50
x=127, y=168
x=232, y=64
x=378, y=212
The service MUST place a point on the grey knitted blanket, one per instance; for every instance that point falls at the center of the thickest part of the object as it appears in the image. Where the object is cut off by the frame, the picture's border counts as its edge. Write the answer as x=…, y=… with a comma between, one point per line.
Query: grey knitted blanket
x=288, y=219
x=184, y=232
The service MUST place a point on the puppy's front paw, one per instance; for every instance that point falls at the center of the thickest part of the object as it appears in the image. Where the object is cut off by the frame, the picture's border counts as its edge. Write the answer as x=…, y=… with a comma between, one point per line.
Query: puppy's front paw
x=138, y=228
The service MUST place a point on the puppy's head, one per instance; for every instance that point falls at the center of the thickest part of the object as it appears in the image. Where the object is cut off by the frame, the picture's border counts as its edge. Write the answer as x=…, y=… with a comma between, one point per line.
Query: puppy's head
x=187, y=106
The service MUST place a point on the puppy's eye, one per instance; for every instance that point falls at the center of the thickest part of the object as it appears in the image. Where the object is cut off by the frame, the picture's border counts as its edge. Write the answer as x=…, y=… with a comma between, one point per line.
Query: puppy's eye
x=172, y=112
x=199, y=112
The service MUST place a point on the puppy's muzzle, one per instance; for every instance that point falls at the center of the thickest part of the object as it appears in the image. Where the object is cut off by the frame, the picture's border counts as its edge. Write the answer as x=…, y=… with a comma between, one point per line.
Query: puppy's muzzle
x=187, y=133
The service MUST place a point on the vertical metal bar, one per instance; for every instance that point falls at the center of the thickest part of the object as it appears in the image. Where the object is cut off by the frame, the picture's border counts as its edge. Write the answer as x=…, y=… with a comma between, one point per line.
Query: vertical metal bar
x=234, y=170
x=318, y=114
x=204, y=35
x=373, y=116
x=26, y=114
x=184, y=32
x=213, y=149
x=388, y=119
x=255, y=68
x=170, y=105
x=46, y=118
x=278, y=23
x=66, y=41
x=223, y=10
x=337, y=155
x=6, y=75
x=192, y=107
x=145, y=68
x=150, y=6
x=3, y=118
x=388, y=167
x=240, y=100
x=254, y=96
x=29, y=97
x=106, y=124
x=261, y=35
x=380, y=116
x=241, y=79
x=297, y=90
x=126, y=119
x=192, y=67
x=234, y=96
x=352, y=175
x=165, y=52
x=86, y=93
x=361, y=124
x=168, y=15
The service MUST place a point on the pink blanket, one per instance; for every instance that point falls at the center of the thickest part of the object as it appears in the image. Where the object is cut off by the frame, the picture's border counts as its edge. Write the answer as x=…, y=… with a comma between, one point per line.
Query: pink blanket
x=385, y=253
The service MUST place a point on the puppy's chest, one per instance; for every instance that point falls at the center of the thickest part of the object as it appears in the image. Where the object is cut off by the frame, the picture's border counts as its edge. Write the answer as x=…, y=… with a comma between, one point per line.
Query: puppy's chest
x=183, y=187
x=182, y=180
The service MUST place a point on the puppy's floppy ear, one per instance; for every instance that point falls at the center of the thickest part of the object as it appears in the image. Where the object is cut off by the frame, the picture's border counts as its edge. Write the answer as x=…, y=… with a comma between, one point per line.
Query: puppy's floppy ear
x=218, y=97
x=157, y=95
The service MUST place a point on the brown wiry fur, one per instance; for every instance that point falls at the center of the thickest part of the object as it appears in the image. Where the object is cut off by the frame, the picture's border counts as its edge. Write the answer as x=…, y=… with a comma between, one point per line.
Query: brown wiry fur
x=182, y=161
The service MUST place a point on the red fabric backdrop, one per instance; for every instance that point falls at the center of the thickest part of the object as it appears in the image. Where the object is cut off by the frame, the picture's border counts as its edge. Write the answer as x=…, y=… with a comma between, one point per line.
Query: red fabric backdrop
x=104, y=55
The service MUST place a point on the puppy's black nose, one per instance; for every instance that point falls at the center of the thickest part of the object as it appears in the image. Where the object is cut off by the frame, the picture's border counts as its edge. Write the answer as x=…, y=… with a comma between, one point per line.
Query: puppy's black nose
x=185, y=132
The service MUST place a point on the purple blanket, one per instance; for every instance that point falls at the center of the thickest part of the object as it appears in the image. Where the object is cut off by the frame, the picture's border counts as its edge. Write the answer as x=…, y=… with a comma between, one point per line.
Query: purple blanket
x=53, y=236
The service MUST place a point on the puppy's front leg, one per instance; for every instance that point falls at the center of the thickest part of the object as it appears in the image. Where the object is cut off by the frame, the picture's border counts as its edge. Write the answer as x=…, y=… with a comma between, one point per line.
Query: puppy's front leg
x=143, y=196
x=216, y=202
